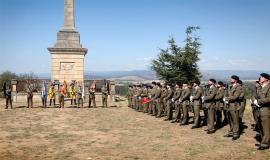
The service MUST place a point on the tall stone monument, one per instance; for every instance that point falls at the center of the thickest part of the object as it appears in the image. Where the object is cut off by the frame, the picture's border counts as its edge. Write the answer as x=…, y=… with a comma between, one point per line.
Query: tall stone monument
x=67, y=55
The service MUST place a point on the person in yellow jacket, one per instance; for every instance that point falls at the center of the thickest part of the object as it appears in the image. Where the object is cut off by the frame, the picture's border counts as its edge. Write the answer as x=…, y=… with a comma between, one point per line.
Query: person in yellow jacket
x=52, y=94
x=73, y=93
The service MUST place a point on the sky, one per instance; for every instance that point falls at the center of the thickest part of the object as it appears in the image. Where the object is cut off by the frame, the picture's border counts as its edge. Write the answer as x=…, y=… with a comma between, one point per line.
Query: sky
x=127, y=34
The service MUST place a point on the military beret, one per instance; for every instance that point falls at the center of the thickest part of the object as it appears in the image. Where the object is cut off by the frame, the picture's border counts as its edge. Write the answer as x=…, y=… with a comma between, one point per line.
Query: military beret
x=185, y=82
x=220, y=83
x=197, y=82
x=240, y=81
x=212, y=80
x=235, y=77
x=178, y=83
x=154, y=83
x=265, y=75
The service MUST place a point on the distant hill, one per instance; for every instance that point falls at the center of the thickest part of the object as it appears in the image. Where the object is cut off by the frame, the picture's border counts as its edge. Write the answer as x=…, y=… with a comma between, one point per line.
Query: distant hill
x=124, y=75
x=226, y=74
x=144, y=75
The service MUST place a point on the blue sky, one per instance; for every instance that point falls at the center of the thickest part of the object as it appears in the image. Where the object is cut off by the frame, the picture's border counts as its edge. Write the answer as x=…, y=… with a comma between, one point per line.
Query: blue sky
x=126, y=34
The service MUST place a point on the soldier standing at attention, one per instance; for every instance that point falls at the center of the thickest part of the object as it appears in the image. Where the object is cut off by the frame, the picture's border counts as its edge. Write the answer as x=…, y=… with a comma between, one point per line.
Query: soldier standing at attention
x=255, y=110
x=145, y=99
x=176, y=104
x=150, y=88
x=242, y=105
x=152, y=106
x=72, y=93
x=168, y=102
x=157, y=100
x=134, y=90
x=219, y=103
x=197, y=103
x=129, y=96
x=233, y=108
x=92, y=97
x=164, y=93
x=8, y=96
x=104, y=92
x=263, y=103
x=209, y=100
x=52, y=94
x=184, y=99
x=138, y=97
x=29, y=91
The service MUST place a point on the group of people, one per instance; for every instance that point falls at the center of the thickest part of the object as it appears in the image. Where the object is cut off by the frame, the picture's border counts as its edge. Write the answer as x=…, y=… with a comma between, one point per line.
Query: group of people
x=75, y=94
x=221, y=105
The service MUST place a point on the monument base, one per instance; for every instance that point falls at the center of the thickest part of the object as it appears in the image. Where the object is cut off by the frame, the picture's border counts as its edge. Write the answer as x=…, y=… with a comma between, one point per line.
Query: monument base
x=67, y=64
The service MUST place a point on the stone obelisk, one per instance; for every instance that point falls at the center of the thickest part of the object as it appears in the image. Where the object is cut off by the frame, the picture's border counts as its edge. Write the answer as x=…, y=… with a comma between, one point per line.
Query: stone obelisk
x=67, y=55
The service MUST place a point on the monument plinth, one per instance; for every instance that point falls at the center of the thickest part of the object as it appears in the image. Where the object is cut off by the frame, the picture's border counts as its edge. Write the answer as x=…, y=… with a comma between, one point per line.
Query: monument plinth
x=67, y=55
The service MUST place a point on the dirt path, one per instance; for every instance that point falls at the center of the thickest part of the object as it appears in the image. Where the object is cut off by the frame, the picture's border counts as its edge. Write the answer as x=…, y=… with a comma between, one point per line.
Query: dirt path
x=112, y=133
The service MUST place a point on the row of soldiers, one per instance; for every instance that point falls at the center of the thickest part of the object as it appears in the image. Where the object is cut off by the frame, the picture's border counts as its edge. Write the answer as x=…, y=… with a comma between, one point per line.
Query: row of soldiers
x=76, y=95
x=220, y=104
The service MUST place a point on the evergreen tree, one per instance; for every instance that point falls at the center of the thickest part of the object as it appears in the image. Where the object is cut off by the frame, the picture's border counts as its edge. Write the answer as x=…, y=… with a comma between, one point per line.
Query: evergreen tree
x=179, y=63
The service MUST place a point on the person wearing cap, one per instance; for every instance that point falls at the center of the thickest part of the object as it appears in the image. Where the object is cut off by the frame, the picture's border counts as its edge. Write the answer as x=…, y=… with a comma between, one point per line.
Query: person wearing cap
x=176, y=104
x=242, y=100
x=197, y=103
x=168, y=100
x=219, y=103
x=233, y=101
x=184, y=100
x=263, y=103
x=52, y=94
x=209, y=100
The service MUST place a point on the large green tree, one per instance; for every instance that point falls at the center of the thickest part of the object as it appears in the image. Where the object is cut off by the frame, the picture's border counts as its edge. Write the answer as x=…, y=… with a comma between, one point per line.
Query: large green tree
x=177, y=63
